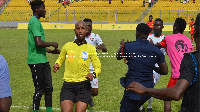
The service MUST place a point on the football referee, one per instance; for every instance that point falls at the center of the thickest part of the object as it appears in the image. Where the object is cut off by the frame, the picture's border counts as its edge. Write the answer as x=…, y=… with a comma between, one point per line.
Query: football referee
x=77, y=56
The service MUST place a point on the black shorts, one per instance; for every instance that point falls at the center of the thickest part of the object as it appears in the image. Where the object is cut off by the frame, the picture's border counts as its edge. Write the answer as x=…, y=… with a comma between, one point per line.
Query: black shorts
x=77, y=91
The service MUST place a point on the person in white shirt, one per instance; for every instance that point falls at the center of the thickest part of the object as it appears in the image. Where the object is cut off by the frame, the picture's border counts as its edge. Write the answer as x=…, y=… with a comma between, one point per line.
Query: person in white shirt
x=95, y=40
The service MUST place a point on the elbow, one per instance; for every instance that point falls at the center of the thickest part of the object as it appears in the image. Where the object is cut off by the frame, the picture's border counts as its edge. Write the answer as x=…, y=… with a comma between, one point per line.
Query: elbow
x=38, y=44
x=178, y=96
x=165, y=72
x=104, y=50
x=118, y=58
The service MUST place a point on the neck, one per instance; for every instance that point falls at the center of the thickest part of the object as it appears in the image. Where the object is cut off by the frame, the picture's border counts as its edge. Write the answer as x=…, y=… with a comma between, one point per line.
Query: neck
x=80, y=41
x=36, y=15
x=144, y=37
x=158, y=34
x=197, y=47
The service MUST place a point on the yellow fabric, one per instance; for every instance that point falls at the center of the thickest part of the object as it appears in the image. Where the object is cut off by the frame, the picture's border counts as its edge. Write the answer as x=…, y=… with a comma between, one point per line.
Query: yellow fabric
x=76, y=68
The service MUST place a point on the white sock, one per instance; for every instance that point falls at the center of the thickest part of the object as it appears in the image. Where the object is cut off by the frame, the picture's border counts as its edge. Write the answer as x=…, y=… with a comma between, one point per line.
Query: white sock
x=150, y=101
x=141, y=107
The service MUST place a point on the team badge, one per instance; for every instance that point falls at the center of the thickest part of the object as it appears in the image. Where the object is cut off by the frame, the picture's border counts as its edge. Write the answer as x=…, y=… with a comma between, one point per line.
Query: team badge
x=85, y=55
x=91, y=39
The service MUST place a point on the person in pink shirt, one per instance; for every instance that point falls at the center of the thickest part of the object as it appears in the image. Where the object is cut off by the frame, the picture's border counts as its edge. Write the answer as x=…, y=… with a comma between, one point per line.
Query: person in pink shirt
x=176, y=45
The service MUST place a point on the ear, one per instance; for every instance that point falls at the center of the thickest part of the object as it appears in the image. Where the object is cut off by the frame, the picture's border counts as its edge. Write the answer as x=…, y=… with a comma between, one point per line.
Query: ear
x=36, y=10
x=162, y=26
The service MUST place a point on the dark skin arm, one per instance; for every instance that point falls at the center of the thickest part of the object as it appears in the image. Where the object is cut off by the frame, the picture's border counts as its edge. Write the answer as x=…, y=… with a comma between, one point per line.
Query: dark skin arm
x=102, y=47
x=55, y=51
x=118, y=55
x=167, y=94
x=40, y=43
x=162, y=69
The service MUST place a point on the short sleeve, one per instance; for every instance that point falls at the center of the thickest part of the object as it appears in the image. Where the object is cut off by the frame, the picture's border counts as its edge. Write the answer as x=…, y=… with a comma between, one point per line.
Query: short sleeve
x=98, y=39
x=36, y=29
x=163, y=43
x=123, y=50
x=187, y=71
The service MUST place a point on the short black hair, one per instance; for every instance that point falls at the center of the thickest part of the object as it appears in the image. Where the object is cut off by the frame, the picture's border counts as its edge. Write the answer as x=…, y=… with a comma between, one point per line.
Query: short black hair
x=143, y=28
x=158, y=19
x=150, y=16
x=87, y=20
x=36, y=4
x=181, y=24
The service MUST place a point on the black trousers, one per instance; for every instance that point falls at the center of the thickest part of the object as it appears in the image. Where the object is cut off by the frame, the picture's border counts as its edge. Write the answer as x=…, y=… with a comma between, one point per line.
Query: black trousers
x=41, y=74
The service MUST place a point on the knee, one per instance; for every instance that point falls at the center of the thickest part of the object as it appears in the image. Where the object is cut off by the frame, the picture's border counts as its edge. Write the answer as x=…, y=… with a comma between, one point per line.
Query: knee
x=38, y=95
x=5, y=106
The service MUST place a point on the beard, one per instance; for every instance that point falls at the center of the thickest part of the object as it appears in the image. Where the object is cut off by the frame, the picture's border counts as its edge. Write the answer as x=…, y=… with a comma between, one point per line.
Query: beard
x=156, y=33
x=88, y=33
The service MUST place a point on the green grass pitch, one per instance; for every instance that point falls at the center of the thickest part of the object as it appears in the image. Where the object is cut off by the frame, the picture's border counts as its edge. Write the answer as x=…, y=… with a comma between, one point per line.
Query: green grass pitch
x=14, y=47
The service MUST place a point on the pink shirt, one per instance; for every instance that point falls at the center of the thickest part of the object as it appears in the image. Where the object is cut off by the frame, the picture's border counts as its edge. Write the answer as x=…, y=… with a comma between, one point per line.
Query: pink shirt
x=177, y=45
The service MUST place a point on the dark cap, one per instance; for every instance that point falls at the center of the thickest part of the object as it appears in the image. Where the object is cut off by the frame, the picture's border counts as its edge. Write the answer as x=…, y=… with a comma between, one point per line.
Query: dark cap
x=197, y=21
x=143, y=28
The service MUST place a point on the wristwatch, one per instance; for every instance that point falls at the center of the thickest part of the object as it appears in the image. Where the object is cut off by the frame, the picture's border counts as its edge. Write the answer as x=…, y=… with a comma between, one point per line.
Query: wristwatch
x=94, y=75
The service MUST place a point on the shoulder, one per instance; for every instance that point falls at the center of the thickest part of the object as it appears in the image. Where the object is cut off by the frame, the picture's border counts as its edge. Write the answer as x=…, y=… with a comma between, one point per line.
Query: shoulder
x=90, y=46
x=95, y=35
x=69, y=44
x=169, y=36
x=128, y=44
x=2, y=61
x=151, y=36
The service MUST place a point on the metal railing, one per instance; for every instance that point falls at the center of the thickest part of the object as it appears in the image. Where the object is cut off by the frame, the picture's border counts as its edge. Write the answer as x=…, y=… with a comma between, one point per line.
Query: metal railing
x=100, y=15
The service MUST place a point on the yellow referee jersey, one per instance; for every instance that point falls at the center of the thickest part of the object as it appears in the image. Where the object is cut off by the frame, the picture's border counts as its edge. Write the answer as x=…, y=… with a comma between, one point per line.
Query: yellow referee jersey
x=77, y=59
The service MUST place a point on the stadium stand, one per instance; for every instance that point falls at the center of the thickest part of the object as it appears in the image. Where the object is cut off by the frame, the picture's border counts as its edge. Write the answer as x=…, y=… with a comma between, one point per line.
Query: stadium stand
x=129, y=11
x=169, y=11
x=19, y=10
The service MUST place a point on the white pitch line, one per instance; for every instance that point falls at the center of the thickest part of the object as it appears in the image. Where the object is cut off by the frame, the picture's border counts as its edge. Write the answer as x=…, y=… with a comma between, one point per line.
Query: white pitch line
x=43, y=108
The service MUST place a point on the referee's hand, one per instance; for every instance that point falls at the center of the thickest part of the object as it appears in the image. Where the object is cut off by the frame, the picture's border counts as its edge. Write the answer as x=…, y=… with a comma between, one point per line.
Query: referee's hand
x=55, y=68
x=89, y=76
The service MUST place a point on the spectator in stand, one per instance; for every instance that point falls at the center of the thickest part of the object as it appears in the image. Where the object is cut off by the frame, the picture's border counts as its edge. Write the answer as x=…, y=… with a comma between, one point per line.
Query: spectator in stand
x=109, y=1
x=193, y=1
x=192, y=28
x=144, y=3
x=65, y=3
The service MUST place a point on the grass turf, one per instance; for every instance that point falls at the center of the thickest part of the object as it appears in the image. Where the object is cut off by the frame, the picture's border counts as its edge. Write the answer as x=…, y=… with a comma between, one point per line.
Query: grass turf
x=14, y=47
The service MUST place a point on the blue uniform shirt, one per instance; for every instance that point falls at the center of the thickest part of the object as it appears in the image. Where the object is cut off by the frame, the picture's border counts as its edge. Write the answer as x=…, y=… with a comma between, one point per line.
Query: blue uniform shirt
x=5, y=90
x=142, y=57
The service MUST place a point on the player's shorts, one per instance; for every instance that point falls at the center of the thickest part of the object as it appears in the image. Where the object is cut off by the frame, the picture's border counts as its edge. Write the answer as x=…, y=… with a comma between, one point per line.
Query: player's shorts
x=172, y=82
x=94, y=82
x=156, y=77
x=77, y=91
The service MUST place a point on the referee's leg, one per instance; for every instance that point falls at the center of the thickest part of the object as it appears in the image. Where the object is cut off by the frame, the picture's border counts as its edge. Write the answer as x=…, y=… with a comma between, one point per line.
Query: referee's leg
x=37, y=75
x=48, y=86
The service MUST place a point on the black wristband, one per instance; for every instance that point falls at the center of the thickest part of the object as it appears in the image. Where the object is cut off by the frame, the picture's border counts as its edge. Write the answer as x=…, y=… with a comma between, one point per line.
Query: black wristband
x=94, y=75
